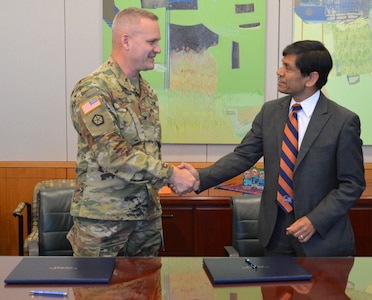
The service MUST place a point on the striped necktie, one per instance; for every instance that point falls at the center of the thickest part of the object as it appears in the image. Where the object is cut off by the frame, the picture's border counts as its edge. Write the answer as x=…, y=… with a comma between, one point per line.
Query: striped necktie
x=288, y=161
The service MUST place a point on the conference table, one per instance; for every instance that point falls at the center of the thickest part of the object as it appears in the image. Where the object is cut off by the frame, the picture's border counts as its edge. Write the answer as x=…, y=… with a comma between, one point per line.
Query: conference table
x=181, y=278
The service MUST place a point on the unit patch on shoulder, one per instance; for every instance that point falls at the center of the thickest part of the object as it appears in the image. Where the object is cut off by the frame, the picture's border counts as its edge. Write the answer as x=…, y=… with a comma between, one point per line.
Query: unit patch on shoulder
x=90, y=105
x=98, y=120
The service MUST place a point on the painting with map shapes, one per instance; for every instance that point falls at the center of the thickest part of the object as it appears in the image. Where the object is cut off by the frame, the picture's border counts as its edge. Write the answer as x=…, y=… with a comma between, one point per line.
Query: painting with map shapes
x=210, y=74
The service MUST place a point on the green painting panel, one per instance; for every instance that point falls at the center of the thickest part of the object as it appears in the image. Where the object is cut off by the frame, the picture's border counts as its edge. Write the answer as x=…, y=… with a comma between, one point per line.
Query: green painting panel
x=345, y=27
x=210, y=74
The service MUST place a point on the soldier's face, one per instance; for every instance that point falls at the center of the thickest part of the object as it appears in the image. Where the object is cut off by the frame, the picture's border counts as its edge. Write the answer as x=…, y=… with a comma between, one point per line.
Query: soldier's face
x=144, y=45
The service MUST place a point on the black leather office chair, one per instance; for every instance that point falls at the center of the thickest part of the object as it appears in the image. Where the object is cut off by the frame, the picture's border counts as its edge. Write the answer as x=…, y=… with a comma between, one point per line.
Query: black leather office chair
x=54, y=222
x=48, y=219
x=245, y=211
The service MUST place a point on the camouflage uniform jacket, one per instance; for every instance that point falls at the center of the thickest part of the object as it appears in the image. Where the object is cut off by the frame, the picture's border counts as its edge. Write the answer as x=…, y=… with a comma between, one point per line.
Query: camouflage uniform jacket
x=119, y=168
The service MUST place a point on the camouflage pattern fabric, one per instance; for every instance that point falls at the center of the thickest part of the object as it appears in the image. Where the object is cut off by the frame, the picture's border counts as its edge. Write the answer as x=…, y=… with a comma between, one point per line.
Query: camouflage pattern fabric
x=116, y=238
x=119, y=168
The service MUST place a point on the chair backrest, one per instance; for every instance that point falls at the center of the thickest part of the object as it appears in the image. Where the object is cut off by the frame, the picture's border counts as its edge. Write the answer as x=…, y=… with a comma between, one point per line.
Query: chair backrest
x=54, y=220
x=46, y=184
x=245, y=211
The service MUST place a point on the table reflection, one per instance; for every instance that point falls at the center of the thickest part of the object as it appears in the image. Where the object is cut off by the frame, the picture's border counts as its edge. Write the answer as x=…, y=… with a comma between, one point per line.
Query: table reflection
x=330, y=279
x=132, y=279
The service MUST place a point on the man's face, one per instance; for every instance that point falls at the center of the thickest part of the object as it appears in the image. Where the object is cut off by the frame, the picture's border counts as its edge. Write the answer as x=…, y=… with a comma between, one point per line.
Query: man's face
x=290, y=80
x=144, y=45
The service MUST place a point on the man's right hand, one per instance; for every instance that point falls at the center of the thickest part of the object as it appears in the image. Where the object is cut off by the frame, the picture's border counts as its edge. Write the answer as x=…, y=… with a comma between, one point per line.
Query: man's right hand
x=185, y=178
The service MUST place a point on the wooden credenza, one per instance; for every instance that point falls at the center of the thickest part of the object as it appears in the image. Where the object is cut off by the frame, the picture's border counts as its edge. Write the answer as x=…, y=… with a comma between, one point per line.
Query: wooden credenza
x=194, y=225
x=361, y=219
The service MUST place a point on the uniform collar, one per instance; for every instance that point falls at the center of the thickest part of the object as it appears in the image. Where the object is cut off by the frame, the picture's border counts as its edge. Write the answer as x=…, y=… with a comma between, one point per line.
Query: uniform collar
x=124, y=80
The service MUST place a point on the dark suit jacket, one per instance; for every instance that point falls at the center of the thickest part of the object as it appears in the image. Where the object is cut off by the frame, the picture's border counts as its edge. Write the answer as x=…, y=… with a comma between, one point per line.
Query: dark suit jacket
x=328, y=176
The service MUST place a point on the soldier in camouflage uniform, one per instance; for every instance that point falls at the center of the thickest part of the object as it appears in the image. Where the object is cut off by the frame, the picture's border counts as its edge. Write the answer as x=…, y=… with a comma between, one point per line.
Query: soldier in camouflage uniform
x=116, y=207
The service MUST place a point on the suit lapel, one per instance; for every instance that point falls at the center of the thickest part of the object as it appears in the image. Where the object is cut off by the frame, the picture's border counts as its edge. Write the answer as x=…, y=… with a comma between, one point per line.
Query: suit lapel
x=317, y=122
x=281, y=116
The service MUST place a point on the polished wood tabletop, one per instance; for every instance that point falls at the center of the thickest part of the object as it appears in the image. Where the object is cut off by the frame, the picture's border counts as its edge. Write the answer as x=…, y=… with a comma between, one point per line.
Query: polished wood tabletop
x=183, y=278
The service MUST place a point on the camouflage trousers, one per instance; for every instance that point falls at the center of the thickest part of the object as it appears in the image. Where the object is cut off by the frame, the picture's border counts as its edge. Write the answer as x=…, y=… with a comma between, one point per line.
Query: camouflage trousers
x=115, y=238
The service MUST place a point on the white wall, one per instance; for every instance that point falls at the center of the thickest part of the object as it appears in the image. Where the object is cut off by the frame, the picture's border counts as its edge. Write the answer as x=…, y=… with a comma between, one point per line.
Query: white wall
x=32, y=85
x=46, y=46
x=83, y=51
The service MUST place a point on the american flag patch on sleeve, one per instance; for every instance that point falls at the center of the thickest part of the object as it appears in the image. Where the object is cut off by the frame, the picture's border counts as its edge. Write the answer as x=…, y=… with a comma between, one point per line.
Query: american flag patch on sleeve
x=90, y=105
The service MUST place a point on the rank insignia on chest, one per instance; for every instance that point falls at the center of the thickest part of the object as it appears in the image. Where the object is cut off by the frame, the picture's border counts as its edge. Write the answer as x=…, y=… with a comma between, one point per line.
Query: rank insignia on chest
x=98, y=120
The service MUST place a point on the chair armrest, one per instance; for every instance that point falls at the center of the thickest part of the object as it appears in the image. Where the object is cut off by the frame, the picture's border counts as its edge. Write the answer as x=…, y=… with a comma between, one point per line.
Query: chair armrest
x=33, y=243
x=18, y=213
x=231, y=251
x=33, y=248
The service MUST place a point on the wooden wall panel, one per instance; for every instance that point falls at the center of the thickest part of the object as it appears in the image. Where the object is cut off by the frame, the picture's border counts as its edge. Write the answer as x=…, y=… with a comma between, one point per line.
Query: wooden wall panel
x=368, y=173
x=71, y=173
x=4, y=236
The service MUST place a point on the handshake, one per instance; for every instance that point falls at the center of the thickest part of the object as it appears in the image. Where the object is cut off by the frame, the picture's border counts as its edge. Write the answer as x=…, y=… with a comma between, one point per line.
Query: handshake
x=185, y=179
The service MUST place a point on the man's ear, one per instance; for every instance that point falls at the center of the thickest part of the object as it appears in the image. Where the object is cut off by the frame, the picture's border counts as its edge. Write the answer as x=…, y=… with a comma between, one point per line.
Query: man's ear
x=313, y=78
x=125, y=40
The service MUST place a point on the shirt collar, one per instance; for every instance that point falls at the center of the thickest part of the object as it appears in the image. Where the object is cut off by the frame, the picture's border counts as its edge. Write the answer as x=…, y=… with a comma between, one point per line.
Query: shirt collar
x=308, y=105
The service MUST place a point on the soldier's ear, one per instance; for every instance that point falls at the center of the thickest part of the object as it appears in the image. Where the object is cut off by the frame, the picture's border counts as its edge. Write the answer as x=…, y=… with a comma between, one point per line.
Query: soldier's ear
x=125, y=41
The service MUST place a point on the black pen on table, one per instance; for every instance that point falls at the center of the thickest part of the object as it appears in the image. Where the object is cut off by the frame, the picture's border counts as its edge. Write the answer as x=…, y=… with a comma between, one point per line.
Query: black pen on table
x=48, y=293
x=252, y=264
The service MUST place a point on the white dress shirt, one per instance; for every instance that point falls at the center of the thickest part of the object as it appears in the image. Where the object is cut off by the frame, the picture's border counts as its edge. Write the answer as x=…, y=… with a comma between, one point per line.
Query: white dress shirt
x=304, y=115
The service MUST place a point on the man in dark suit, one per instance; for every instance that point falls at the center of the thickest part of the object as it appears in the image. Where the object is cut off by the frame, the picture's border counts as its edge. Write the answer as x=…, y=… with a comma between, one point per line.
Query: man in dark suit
x=328, y=174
